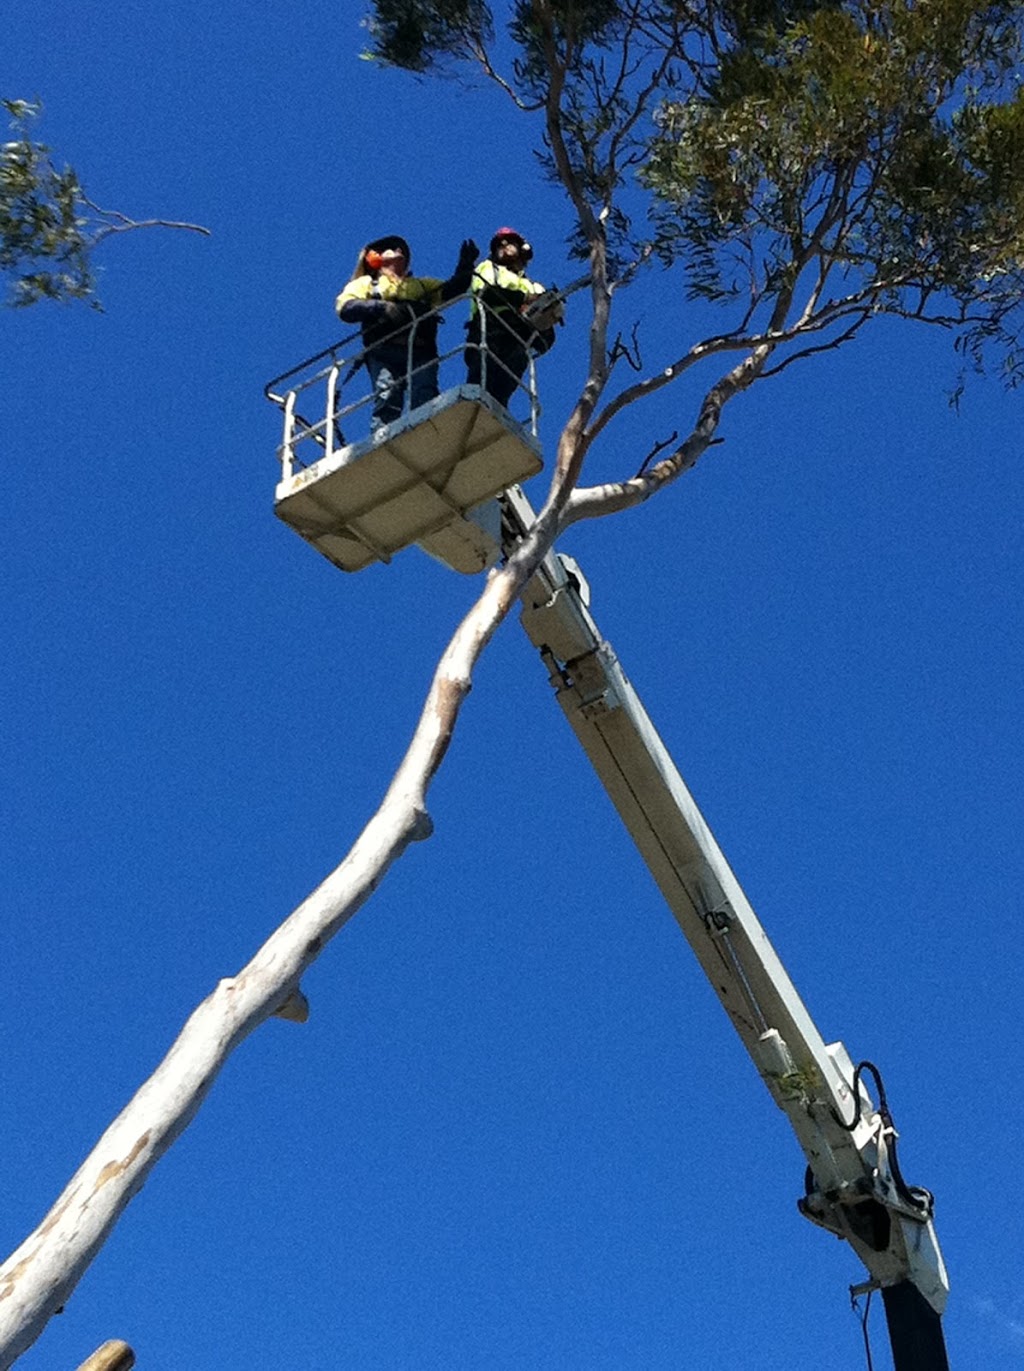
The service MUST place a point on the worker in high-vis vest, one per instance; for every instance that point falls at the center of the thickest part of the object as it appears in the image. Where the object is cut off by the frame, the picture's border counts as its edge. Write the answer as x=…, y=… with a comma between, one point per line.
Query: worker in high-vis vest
x=394, y=311
x=500, y=336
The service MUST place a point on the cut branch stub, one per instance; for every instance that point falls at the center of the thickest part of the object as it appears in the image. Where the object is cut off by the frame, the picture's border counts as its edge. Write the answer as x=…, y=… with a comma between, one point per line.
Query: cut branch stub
x=112, y=1356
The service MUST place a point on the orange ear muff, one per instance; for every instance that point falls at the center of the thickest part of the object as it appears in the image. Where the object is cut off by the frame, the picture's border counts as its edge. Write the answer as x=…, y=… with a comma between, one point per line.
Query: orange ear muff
x=373, y=259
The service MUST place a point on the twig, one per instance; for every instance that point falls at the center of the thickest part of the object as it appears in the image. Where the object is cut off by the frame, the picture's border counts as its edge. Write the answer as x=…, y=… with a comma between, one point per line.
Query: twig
x=658, y=447
x=124, y=224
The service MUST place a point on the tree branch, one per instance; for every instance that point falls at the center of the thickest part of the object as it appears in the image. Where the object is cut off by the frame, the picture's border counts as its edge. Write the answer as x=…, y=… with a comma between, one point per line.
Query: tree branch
x=123, y=224
x=38, y=1278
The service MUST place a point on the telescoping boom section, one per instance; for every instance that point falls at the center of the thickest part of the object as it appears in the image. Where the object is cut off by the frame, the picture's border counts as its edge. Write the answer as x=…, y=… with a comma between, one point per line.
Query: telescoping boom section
x=359, y=490
x=853, y=1185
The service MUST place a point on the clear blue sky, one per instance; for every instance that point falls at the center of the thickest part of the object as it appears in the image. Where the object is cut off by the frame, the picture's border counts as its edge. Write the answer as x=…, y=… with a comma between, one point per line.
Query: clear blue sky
x=518, y=1131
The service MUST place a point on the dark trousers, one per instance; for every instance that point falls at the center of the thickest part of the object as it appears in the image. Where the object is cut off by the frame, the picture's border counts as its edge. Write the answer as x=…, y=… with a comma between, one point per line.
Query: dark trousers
x=499, y=366
x=387, y=368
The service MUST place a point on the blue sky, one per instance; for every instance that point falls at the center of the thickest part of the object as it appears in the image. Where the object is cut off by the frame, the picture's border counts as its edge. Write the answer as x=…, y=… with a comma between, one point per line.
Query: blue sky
x=517, y=1131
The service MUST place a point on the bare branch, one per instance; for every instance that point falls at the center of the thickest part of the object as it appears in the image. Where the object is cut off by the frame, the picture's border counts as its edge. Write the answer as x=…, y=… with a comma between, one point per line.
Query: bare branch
x=594, y=502
x=483, y=59
x=658, y=447
x=830, y=346
x=628, y=352
x=651, y=384
x=124, y=224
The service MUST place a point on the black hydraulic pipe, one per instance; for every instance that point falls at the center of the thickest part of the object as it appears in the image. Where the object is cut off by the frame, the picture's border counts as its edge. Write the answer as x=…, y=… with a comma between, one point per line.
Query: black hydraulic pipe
x=915, y=1330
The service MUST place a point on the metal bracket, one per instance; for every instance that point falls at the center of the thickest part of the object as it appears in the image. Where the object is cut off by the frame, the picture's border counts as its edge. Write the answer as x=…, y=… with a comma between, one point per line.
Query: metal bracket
x=718, y=922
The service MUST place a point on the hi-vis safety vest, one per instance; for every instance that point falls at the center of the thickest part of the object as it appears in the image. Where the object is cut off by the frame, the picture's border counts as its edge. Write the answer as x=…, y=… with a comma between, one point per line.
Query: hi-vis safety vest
x=423, y=292
x=494, y=274
x=424, y=288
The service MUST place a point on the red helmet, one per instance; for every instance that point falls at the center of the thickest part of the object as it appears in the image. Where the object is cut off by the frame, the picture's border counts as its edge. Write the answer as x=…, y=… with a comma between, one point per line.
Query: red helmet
x=510, y=233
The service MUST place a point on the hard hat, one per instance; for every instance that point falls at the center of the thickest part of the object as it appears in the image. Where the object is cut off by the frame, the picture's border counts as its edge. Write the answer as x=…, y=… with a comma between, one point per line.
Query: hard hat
x=371, y=254
x=506, y=232
x=524, y=247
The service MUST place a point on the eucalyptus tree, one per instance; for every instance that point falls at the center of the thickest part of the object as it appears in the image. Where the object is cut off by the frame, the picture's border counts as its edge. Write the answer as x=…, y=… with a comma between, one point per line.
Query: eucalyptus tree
x=806, y=168
x=49, y=227
x=802, y=170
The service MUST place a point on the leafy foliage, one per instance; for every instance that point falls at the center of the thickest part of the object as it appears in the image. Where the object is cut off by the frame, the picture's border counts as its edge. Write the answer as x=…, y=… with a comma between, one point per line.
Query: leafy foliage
x=44, y=244
x=48, y=225
x=813, y=163
x=876, y=147
x=417, y=36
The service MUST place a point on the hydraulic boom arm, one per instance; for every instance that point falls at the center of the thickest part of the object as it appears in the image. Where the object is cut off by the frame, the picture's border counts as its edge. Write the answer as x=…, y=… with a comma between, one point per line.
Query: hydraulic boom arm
x=853, y=1186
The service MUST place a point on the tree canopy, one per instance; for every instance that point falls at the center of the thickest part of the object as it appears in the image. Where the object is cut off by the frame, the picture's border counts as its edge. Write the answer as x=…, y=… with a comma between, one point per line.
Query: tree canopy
x=811, y=166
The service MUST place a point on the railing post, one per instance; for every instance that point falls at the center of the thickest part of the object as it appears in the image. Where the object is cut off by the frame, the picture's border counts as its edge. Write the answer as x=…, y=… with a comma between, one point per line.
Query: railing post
x=332, y=389
x=287, y=447
x=534, y=402
x=407, y=396
x=483, y=344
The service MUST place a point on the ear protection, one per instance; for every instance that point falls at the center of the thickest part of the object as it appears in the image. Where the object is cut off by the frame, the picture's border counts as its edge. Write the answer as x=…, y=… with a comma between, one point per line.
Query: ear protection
x=510, y=235
x=373, y=257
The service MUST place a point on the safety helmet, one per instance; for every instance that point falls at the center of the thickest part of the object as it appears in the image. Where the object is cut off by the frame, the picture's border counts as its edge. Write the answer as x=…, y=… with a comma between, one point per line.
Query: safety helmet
x=525, y=251
x=392, y=241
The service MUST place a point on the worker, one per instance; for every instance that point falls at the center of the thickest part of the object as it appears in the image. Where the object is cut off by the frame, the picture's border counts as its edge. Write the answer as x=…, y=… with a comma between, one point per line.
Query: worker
x=498, y=350
x=394, y=308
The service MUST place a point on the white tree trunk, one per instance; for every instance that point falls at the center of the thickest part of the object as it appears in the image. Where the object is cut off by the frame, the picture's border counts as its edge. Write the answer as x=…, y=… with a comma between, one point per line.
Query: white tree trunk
x=39, y=1276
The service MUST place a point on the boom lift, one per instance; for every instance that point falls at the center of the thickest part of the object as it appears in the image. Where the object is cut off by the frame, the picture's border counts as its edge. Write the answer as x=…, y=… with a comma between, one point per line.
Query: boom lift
x=427, y=478
x=853, y=1184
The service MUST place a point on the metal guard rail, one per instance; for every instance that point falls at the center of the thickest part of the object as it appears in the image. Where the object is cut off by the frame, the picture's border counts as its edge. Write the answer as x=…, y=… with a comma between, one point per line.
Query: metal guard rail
x=333, y=385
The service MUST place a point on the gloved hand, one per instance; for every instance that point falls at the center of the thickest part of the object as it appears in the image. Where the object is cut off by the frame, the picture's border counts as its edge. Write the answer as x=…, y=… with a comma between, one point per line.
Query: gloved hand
x=468, y=253
x=395, y=312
